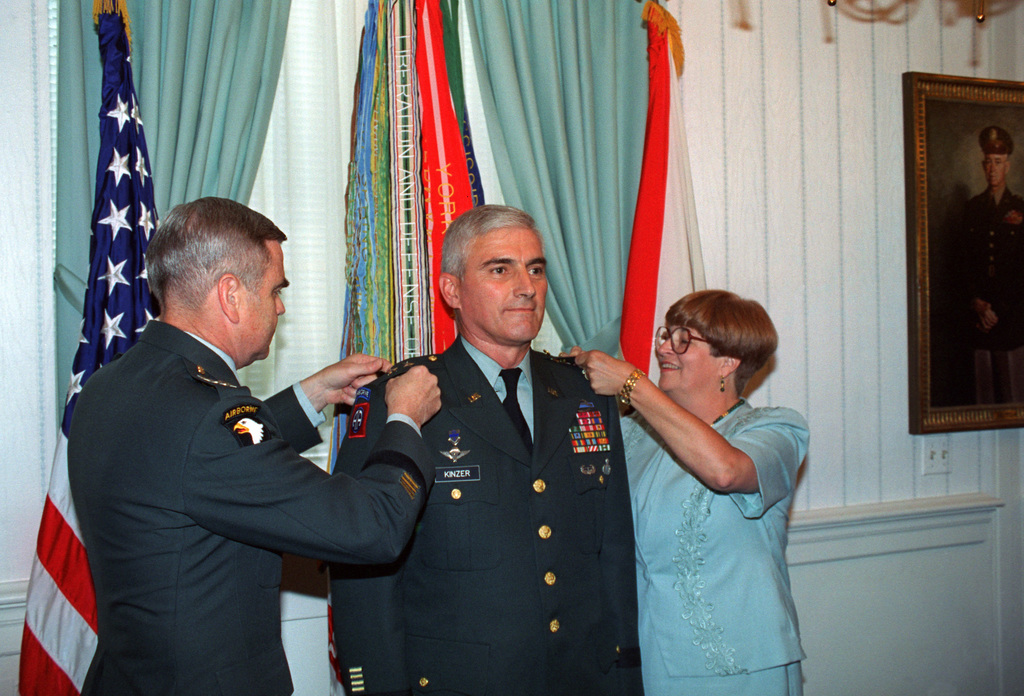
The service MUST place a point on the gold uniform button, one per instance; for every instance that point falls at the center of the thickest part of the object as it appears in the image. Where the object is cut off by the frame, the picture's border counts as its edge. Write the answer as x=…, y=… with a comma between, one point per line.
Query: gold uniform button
x=549, y=578
x=456, y=494
x=554, y=626
x=424, y=681
x=544, y=532
x=539, y=485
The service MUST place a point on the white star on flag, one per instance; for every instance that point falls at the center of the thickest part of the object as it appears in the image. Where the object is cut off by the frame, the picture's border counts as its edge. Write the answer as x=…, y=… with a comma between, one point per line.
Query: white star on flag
x=118, y=219
x=140, y=166
x=136, y=114
x=149, y=317
x=113, y=276
x=145, y=220
x=119, y=165
x=120, y=113
x=111, y=327
x=75, y=385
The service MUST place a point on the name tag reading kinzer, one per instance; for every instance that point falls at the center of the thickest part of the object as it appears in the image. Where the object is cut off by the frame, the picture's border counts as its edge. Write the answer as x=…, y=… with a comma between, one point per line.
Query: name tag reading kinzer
x=452, y=474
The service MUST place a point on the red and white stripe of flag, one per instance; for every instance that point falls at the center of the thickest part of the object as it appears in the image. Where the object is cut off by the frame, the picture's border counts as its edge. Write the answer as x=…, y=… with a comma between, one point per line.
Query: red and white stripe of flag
x=59, y=638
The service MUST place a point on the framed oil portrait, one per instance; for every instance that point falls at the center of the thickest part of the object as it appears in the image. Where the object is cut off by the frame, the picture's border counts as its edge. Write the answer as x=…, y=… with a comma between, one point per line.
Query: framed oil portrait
x=964, y=154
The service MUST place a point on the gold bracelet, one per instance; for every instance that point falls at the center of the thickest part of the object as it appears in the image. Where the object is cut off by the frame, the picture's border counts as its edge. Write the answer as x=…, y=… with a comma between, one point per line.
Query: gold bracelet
x=627, y=388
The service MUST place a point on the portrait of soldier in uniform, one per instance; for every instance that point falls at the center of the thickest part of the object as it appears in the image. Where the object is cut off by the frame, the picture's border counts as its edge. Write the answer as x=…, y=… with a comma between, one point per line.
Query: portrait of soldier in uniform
x=993, y=244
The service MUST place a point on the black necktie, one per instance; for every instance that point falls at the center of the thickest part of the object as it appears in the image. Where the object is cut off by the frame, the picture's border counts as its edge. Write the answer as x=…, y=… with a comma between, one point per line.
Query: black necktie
x=511, y=404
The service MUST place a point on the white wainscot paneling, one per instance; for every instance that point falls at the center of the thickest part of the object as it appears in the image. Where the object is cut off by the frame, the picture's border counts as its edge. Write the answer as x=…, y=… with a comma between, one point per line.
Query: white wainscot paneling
x=12, y=621
x=899, y=598
x=303, y=628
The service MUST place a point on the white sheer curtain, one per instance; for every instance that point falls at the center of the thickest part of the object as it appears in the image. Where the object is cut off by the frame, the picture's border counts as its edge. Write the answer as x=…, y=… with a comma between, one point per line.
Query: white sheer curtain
x=301, y=186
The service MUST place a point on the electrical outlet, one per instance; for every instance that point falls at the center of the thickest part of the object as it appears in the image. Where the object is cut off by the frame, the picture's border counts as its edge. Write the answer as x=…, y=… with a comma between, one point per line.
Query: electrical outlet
x=934, y=455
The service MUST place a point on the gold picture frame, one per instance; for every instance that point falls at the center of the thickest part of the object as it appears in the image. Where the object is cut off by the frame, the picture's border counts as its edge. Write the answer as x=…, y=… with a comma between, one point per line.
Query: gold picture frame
x=951, y=340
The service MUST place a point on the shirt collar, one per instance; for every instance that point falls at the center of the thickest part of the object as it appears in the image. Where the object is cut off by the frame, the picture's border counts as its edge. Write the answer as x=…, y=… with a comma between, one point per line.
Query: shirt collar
x=492, y=369
x=224, y=356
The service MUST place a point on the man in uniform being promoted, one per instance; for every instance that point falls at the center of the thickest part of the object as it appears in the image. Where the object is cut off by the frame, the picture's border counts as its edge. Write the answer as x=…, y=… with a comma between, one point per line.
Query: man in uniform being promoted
x=520, y=578
x=994, y=240
x=187, y=487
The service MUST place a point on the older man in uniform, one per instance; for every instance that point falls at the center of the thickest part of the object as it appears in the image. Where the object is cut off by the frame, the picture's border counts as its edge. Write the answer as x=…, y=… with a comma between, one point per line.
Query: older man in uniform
x=994, y=239
x=187, y=487
x=520, y=578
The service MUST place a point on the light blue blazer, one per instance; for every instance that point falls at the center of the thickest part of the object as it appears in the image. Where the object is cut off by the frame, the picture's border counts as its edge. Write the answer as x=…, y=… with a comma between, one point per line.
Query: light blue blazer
x=714, y=593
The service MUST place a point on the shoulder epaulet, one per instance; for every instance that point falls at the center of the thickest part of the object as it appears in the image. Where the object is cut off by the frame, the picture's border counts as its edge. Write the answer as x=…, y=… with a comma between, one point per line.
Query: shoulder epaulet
x=562, y=359
x=199, y=374
x=403, y=365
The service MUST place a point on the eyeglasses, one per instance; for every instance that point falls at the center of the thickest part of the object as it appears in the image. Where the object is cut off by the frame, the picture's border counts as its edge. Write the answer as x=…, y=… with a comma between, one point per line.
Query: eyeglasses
x=680, y=338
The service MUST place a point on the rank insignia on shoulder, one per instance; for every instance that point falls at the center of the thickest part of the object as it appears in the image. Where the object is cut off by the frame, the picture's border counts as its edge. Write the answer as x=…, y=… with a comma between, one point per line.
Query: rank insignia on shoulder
x=201, y=376
x=248, y=431
x=564, y=359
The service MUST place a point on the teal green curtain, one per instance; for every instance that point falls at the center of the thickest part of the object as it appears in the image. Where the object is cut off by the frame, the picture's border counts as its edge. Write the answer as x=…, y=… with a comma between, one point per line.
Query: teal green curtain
x=564, y=86
x=206, y=73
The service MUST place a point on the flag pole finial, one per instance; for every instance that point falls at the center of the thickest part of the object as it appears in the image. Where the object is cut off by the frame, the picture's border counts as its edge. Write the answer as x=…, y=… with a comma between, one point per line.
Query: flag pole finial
x=118, y=7
x=661, y=18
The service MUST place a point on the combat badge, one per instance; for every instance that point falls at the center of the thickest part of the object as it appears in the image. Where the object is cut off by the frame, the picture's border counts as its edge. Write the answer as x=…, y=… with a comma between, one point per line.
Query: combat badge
x=589, y=435
x=360, y=413
x=454, y=453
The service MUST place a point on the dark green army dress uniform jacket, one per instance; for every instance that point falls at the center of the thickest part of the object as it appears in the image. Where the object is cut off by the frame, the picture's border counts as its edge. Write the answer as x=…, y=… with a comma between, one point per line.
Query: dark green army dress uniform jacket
x=520, y=578
x=186, y=489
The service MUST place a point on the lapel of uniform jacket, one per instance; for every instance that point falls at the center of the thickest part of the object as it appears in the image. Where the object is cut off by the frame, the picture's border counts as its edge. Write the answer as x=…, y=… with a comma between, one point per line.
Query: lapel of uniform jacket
x=476, y=406
x=553, y=410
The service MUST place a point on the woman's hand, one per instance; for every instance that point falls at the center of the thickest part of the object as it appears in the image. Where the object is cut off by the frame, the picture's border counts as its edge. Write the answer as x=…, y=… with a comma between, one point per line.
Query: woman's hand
x=605, y=373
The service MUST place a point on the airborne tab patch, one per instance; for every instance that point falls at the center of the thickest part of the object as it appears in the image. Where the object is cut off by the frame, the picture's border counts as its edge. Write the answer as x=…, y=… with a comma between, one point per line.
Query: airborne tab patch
x=242, y=410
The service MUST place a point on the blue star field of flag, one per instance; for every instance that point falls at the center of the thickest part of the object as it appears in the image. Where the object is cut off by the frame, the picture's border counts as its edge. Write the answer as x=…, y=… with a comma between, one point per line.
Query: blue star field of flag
x=117, y=302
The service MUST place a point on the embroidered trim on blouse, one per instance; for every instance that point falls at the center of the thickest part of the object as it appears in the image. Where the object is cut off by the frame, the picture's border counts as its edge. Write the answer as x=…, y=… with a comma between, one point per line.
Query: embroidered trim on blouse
x=707, y=635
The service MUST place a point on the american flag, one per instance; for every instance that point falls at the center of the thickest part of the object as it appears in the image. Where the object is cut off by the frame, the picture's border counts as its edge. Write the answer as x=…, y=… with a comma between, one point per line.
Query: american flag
x=59, y=638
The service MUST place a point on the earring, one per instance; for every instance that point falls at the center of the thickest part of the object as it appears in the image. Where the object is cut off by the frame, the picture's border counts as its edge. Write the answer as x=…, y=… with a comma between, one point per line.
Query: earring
x=721, y=386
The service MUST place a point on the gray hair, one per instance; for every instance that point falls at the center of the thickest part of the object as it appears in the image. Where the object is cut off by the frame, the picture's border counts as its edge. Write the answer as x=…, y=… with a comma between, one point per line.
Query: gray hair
x=474, y=223
x=196, y=243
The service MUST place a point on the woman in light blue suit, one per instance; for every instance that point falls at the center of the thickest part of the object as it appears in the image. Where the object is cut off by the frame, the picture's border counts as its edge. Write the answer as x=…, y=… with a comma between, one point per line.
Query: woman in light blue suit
x=711, y=481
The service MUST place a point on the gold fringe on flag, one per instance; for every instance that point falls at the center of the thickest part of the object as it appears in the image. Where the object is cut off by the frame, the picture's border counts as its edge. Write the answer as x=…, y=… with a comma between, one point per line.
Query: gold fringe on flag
x=118, y=7
x=664, y=21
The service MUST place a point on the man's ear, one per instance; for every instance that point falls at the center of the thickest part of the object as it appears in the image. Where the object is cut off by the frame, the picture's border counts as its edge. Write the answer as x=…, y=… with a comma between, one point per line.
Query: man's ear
x=449, y=286
x=229, y=296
